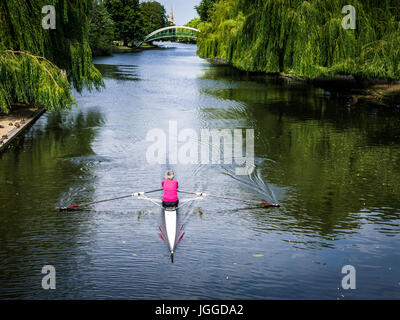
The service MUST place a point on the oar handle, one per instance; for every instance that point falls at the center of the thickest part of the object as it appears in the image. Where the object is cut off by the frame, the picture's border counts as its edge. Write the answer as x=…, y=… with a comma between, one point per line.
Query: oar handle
x=151, y=191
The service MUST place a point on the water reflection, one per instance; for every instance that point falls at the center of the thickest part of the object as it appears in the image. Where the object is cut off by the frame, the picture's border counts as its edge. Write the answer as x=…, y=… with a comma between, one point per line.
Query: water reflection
x=331, y=161
x=333, y=167
x=119, y=72
x=39, y=170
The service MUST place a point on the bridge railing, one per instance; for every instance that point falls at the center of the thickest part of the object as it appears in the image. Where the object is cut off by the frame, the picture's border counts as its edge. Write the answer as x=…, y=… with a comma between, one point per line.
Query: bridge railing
x=172, y=34
x=167, y=32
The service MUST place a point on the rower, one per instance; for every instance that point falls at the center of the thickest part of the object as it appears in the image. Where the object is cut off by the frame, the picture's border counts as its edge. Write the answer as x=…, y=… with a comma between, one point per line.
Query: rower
x=170, y=186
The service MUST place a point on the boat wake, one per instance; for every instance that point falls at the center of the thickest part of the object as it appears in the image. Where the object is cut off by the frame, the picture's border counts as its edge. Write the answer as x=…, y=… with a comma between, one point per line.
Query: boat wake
x=254, y=182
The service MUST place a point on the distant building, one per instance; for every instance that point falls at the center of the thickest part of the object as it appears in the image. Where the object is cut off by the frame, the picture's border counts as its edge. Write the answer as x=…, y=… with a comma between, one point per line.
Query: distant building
x=171, y=17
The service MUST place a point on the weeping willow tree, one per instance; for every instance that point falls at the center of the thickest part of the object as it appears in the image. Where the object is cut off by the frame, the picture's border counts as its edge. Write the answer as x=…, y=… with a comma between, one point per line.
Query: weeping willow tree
x=305, y=38
x=39, y=66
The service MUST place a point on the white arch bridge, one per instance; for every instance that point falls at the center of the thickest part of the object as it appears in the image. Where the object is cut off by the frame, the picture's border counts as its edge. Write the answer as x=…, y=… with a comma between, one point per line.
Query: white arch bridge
x=169, y=32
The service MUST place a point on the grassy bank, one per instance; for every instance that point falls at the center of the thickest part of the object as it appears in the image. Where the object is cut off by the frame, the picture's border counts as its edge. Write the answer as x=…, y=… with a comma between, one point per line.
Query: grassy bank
x=124, y=49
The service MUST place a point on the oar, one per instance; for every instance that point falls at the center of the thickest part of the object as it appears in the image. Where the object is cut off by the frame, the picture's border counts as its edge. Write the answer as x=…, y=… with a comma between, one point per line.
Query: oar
x=203, y=194
x=136, y=194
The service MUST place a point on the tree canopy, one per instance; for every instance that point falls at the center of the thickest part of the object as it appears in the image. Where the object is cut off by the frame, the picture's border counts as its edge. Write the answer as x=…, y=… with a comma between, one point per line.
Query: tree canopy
x=154, y=16
x=305, y=38
x=205, y=8
x=127, y=19
x=37, y=65
x=101, y=29
x=194, y=23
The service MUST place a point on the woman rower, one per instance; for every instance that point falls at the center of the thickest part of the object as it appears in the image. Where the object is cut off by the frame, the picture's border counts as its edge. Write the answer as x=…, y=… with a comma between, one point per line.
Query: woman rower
x=170, y=186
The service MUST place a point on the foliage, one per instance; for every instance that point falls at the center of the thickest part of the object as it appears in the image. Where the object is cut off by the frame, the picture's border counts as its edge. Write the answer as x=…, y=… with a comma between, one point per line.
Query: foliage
x=194, y=23
x=101, y=29
x=154, y=16
x=128, y=20
x=205, y=9
x=37, y=65
x=305, y=38
x=330, y=161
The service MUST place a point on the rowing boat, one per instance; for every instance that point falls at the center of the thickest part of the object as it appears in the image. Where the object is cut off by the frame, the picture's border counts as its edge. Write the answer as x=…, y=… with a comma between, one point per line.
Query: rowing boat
x=171, y=231
x=170, y=215
x=171, y=220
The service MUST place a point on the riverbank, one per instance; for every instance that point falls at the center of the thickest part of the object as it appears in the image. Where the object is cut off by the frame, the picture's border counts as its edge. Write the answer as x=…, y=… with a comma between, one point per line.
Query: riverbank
x=18, y=120
x=124, y=49
x=377, y=92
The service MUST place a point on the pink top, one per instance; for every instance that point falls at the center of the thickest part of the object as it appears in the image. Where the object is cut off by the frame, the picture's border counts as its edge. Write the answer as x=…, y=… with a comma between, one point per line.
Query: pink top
x=170, y=190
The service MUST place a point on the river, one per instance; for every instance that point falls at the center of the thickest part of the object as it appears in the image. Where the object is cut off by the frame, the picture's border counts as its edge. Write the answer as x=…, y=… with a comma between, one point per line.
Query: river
x=333, y=167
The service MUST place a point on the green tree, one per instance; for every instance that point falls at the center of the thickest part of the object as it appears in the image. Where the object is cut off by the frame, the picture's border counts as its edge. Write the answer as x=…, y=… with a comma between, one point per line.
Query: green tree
x=101, y=29
x=154, y=16
x=194, y=23
x=205, y=8
x=37, y=65
x=305, y=38
x=127, y=19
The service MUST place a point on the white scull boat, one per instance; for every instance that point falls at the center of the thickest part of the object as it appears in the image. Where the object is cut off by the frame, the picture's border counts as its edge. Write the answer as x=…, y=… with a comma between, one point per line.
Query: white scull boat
x=170, y=214
x=170, y=217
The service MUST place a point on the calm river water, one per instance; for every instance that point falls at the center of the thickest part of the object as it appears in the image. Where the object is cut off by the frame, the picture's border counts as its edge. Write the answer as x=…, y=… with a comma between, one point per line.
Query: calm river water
x=334, y=168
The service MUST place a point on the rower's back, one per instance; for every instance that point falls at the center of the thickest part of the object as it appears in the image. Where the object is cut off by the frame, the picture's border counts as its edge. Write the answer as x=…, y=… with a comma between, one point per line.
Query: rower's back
x=170, y=190
x=170, y=186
